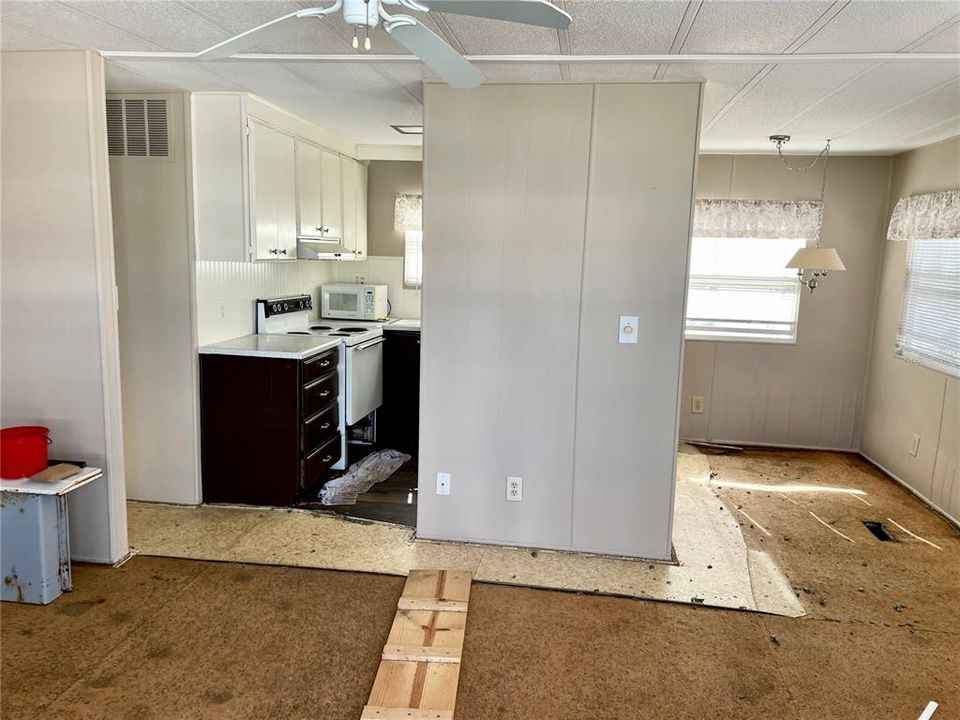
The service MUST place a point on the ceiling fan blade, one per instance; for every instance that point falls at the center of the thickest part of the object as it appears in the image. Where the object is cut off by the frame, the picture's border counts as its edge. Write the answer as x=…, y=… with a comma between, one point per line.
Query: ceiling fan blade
x=245, y=40
x=446, y=62
x=528, y=12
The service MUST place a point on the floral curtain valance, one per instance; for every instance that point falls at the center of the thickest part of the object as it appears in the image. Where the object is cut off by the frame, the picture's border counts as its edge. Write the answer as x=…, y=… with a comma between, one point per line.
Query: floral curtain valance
x=758, y=219
x=408, y=212
x=927, y=216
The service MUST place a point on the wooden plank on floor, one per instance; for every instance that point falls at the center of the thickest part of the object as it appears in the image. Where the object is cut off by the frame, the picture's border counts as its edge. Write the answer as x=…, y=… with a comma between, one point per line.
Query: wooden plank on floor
x=420, y=668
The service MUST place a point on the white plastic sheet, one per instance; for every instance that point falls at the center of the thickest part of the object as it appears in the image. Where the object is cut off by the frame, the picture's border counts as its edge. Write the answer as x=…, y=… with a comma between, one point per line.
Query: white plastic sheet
x=361, y=476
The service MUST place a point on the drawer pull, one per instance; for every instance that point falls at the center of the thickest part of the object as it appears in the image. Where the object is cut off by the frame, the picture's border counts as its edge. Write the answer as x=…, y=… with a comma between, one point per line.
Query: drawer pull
x=325, y=363
x=327, y=459
x=324, y=393
x=325, y=426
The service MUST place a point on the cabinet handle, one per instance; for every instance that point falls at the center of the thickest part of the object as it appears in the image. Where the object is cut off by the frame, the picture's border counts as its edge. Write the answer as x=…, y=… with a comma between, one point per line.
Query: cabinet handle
x=324, y=393
x=327, y=459
x=325, y=426
x=283, y=252
x=274, y=251
x=319, y=229
x=325, y=363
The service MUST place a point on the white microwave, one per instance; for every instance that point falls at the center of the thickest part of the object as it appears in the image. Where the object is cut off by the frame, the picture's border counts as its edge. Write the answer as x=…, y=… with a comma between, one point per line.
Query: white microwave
x=354, y=302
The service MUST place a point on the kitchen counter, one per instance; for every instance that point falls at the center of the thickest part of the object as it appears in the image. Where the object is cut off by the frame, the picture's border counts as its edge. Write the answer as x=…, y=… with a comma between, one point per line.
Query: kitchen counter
x=296, y=347
x=403, y=325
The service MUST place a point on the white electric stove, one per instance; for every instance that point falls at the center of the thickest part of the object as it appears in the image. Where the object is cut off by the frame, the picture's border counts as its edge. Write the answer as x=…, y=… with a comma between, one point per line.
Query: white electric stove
x=361, y=357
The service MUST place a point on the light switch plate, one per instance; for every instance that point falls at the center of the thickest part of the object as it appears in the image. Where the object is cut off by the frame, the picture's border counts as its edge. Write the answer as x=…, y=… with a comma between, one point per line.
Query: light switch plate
x=443, y=483
x=914, y=447
x=628, y=329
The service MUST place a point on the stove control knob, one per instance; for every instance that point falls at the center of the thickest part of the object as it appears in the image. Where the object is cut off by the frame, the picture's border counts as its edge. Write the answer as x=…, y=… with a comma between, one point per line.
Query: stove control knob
x=286, y=307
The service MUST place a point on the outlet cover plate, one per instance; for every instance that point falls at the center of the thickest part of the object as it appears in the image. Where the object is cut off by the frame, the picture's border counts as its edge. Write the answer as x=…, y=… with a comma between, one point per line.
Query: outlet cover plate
x=443, y=483
x=696, y=405
x=514, y=489
x=628, y=329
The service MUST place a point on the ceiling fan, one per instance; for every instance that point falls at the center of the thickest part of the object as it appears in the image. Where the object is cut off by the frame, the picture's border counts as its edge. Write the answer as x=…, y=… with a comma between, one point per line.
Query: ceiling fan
x=442, y=59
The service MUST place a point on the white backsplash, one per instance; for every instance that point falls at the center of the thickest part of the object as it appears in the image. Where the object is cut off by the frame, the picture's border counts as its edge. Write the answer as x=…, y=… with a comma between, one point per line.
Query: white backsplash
x=381, y=270
x=227, y=292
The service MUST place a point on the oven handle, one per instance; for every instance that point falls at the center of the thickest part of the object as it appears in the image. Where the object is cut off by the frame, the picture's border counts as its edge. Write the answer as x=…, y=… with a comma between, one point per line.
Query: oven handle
x=367, y=345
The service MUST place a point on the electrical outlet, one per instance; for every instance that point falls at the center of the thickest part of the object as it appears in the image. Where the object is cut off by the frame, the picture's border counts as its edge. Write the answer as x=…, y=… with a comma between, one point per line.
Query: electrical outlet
x=443, y=483
x=914, y=445
x=696, y=406
x=514, y=489
x=360, y=278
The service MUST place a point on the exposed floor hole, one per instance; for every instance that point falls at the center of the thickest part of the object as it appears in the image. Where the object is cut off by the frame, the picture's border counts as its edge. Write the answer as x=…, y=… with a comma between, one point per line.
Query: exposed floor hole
x=879, y=531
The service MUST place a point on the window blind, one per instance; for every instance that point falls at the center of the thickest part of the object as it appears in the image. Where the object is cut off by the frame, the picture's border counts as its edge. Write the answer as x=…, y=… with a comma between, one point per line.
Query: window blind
x=929, y=331
x=740, y=290
x=413, y=258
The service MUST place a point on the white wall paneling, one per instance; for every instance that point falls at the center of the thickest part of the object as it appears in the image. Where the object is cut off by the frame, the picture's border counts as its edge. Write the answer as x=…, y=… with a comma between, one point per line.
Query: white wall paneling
x=523, y=284
x=61, y=364
x=811, y=393
x=903, y=399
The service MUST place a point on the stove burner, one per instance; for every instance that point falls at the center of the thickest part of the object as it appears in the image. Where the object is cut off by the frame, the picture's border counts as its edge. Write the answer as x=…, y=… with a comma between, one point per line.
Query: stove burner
x=353, y=329
x=339, y=334
x=320, y=327
x=297, y=332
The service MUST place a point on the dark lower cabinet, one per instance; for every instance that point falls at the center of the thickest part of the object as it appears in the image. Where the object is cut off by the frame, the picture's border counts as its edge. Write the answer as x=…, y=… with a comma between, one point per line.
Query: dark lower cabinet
x=398, y=419
x=268, y=426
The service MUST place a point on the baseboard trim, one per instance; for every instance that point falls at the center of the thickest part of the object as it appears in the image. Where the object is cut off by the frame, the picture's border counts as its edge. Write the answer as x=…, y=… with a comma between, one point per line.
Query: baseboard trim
x=771, y=446
x=912, y=490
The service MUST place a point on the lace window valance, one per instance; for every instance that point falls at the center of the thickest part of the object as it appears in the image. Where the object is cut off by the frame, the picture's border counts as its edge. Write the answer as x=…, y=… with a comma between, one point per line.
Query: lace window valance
x=926, y=217
x=758, y=219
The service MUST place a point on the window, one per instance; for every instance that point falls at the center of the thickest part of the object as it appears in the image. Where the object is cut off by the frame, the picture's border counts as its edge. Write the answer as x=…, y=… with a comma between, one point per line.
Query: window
x=929, y=332
x=739, y=286
x=413, y=258
x=740, y=289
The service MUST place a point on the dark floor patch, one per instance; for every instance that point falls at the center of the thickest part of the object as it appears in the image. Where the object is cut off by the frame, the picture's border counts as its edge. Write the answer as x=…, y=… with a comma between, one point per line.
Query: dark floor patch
x=79, y=607
x=120, y=617
x=104, y=681
x=243, y=576
x=879, y=531
x=160, y=652
x=218, y=697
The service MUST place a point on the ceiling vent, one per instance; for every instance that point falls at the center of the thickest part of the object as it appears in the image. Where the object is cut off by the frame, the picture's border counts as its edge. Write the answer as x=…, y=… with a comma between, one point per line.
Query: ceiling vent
x=137, y=127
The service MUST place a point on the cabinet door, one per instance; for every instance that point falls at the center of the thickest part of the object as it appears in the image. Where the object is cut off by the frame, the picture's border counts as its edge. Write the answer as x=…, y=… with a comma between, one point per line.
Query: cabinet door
x=273, y=193
x=348, y=169
x=309, y=191
x=361, y=243
x=330, y=185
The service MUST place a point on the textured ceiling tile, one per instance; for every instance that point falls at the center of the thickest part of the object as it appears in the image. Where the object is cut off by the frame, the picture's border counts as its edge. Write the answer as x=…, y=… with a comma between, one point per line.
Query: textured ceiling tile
x=947, y=40
x=623, y=26
x=934, y=107
x=734, y=26
x=172, y=25
x=723, y=81
x=14, y=37
x=612, y=72
x=520, y=72
x=60, y=22
x=876, y=92
x=784, y=93
x=167, y=75
x=236, y=17
x=409, y=75
x=880, y=26
x=480, y=36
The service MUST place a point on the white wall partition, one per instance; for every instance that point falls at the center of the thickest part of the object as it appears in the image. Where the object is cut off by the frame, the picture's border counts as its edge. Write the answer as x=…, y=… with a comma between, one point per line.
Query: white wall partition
x=545, y=205
x=61, y=365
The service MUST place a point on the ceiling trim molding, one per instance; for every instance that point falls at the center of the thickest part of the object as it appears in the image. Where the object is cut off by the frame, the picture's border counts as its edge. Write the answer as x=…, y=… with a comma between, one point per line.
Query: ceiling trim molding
x=390, y=152
x=698, y=58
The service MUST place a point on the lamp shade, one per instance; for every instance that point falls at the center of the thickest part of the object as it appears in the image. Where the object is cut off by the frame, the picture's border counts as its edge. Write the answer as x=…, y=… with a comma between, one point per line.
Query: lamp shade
x=816, y=258
x=408, y=212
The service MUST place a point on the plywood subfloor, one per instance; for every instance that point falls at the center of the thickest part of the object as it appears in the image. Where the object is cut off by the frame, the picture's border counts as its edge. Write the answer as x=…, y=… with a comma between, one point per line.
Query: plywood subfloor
x=714, y=565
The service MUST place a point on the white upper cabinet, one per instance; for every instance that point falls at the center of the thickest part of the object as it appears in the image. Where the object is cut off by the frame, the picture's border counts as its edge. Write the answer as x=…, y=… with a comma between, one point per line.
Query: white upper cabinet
x=354, y=206
x=273, y=193
x=330, y=184
x=309, y=191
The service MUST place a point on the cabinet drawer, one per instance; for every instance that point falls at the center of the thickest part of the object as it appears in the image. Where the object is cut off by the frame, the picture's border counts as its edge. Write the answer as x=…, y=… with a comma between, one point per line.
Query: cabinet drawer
x=319, y=365
x=320, y=427
x=319, y=393
x=320, y=460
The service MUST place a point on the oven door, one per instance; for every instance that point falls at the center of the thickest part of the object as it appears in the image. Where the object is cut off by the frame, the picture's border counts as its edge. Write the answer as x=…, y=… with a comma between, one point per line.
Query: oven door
x=364, y=368
x=343, y=304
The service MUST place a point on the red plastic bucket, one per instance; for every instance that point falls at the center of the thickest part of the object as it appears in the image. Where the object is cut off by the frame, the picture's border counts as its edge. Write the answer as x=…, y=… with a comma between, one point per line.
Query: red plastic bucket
x=23, y=451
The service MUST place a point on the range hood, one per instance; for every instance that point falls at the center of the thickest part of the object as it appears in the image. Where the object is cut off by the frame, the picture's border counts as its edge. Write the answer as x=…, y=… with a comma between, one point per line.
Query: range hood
x=313, y=249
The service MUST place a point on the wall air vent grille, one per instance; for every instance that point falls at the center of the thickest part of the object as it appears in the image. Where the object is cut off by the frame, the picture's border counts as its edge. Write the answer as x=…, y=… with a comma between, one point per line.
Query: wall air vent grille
x=137, y=127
